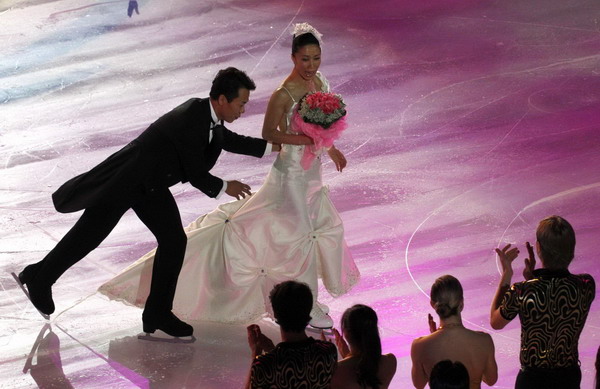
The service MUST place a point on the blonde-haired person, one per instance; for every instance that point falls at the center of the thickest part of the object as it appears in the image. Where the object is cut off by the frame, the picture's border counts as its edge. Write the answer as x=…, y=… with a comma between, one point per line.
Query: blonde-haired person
x=451, y=340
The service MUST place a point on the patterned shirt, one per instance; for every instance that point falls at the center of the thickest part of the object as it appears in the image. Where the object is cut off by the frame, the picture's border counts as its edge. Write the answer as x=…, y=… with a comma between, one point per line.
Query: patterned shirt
x=308, y=364
x=552, y=307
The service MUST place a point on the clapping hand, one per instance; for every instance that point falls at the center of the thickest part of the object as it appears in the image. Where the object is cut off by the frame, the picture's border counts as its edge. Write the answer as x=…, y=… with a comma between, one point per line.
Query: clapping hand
x=529, y=263
x=432, y=324
x=258, y=342
x=341, y=344
x=507, y=255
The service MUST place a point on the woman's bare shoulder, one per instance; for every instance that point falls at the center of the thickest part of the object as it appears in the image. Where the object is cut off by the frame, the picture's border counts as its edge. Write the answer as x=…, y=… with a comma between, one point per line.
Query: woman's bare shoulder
x=481, y=339
x=481, y=334
x=387, y=368
x=281, y=94
x=424, y=340
x=389, y=361
x=345, y=374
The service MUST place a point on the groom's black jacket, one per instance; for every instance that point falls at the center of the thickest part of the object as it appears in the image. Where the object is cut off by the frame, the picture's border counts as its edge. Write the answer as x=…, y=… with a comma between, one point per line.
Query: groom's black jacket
x=175, y=148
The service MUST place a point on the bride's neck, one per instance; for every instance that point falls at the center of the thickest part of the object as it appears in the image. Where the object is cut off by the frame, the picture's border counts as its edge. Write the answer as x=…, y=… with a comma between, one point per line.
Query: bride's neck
x=307, y=84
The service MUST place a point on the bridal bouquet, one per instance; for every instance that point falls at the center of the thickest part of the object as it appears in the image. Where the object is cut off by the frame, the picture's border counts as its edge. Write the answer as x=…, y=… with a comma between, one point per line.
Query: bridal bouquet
x=322, y=117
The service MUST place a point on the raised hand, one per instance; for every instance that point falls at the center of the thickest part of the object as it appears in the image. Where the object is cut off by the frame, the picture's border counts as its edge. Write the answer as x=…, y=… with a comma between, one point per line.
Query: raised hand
x=253, y=339
x=432, y=324
x=338, y=158
x=341, y=344
x=529, y=263
x=257, y=341
x=237, y=189
x=507, y=255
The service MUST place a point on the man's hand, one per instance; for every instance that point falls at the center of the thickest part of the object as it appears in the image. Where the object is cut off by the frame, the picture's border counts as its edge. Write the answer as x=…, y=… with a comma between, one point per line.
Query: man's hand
x=338, y=158
x=253, y=333
x=258, y=342
x=237, y=189
x=529, y=263
x=276, y=147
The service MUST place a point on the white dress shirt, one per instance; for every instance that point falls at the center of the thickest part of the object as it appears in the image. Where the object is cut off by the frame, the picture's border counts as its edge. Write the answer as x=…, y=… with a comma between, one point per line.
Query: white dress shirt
x=215, y=120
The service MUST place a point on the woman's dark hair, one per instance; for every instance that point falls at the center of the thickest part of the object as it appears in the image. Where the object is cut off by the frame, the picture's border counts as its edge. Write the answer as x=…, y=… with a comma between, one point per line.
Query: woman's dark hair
x=292, y=302
x=304, y=40
x=228, y=83
x=448, y=375
x=446, y=295
x=359, y=325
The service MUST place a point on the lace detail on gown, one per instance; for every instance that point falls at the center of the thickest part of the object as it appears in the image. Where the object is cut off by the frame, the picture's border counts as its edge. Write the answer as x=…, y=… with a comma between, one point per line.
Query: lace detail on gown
x=288, y=229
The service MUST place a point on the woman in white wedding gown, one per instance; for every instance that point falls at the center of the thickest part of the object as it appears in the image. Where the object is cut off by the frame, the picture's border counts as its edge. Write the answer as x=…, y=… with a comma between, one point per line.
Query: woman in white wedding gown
x=288, y=229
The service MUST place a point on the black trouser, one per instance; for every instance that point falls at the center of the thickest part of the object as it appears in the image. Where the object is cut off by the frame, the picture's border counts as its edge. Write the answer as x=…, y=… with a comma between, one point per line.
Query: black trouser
x=563, y=378
x=158, y=211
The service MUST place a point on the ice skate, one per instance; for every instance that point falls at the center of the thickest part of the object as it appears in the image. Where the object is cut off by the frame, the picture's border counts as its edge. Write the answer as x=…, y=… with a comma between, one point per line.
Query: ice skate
x=172, y=330
x=160, y=336
x=320, y=319
x=21, y=280
x=323, y=307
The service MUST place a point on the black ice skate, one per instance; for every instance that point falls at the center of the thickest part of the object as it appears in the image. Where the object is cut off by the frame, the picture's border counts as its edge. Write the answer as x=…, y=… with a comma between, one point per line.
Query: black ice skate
x=21, y=280
x=172, y=330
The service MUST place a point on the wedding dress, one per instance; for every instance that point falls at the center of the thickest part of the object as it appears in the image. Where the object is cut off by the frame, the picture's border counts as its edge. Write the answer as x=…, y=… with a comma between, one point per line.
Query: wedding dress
x=288, y=229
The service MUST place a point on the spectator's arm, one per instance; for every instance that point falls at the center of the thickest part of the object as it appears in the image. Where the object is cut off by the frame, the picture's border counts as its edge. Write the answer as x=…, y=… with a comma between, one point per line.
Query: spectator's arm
x=247, y=386
x=506, y=256
x=490, y=372
x=419, y=376
x=497, y=321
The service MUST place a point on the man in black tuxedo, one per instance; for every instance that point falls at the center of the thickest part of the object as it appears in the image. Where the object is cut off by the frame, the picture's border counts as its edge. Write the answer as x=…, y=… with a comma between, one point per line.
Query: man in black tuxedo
x=181, y=146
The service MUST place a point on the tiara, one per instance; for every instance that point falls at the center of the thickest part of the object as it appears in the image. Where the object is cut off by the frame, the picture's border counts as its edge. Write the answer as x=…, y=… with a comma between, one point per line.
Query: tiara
x=305, y=28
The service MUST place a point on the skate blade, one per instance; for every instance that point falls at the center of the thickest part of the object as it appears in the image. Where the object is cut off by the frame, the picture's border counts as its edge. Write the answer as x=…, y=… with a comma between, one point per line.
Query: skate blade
x=162, y=337
x=16, y=277
x=315, y=330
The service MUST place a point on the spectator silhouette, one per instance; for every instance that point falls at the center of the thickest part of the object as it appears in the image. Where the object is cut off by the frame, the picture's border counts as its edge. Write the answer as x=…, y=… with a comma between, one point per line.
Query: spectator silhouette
x=451, y=340
x=299, y=360
x=449, y=375
x=362, y=365
x=552, y=305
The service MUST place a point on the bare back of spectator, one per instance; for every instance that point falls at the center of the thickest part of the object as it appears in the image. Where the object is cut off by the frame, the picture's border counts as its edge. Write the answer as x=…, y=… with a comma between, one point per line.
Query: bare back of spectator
x=363, y=365
x=451, y=340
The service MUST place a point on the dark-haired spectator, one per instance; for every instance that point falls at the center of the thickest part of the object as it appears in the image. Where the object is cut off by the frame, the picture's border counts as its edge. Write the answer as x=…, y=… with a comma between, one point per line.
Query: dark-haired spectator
x=552, y=305
x=298, y=361
x=362, y=365
x=451, y=340
x=449, y=375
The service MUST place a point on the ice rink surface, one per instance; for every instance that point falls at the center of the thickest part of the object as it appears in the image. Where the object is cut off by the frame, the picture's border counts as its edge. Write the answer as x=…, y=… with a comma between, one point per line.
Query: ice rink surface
x=469, y=122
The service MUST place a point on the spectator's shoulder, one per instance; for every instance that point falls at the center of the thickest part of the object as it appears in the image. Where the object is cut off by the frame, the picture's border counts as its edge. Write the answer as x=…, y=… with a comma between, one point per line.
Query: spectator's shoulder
x=587, y=280
x=485, y=338
x=264, y=360
x=326, y=347
x=522, y=285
